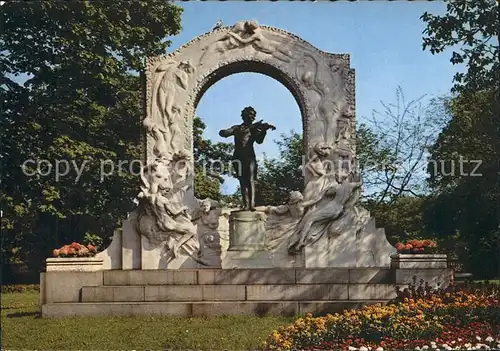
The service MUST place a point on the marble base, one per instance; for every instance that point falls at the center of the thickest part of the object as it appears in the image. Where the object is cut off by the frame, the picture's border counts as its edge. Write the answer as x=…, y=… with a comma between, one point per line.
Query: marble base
x=247, y=231
x=261, y=259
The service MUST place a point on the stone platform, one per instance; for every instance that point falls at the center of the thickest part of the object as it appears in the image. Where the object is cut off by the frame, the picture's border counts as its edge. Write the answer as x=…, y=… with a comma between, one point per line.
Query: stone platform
x=209, y=292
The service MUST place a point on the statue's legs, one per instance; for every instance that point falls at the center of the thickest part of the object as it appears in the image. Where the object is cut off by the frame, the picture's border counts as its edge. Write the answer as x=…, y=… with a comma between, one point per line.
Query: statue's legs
x=252, y=175
x=244, y=192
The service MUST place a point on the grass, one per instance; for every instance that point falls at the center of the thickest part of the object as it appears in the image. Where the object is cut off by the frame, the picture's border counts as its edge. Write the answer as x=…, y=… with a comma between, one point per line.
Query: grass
x=23, y=328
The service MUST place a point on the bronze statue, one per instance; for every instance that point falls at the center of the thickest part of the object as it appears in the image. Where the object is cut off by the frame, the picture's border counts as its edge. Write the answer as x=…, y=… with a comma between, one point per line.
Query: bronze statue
x=244, y=161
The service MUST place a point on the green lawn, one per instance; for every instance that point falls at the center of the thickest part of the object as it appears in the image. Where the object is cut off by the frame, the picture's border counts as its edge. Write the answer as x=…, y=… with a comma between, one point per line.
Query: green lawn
x=22, y=328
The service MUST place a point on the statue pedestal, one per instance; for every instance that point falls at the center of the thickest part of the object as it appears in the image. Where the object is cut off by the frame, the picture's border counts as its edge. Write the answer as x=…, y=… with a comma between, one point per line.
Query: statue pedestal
x=248, y=244
x=247, y=231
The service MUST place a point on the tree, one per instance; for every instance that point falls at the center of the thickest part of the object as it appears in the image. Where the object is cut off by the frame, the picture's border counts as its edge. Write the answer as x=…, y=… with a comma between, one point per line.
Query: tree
x=472, y=26
x=211, y=160
x=464, y=175
x=392, y=148
x=463, y=205
x=80, y=103
x=277, y=177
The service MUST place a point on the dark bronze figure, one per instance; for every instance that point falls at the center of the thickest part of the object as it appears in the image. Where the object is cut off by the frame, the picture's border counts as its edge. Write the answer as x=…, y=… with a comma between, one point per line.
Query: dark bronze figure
x=244, y=161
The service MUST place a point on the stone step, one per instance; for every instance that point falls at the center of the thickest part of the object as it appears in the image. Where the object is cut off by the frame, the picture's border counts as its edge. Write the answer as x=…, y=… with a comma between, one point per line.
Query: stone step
x=248, y=276
x=199, y=309
x=256, y=292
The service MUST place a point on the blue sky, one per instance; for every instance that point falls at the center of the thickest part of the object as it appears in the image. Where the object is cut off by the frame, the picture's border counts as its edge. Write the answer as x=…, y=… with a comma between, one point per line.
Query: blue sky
x=383, y=38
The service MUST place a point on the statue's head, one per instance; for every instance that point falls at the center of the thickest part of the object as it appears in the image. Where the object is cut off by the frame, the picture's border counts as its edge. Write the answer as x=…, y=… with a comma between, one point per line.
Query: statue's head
x=295, y=197
x=181, y=155
x=248, y=114
x=158, y=176
x=322, y=149
x=251, y=26
x=187, y=66
x=205, y=205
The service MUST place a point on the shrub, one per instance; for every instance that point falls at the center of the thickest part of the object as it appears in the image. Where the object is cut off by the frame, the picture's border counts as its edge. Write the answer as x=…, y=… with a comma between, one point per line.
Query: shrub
x=94, y=240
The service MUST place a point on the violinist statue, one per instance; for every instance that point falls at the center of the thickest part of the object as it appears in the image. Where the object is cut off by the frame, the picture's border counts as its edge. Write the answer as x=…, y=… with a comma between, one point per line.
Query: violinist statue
x=244, y=160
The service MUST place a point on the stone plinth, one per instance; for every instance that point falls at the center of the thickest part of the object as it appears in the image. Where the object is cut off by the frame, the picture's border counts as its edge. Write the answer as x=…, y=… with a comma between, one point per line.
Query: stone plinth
x=432, y=268
x=247, y=231
x=74, y=264
x=419, y=261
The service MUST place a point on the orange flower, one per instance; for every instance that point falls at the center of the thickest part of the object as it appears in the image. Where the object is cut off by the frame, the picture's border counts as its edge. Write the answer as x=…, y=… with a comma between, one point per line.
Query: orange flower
x=83, y=251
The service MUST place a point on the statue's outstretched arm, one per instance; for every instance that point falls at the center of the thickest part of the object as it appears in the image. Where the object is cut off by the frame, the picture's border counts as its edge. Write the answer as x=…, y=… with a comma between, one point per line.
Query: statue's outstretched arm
x=253, y=37
x=227, y=132
x=280, y=210
x=313, y=201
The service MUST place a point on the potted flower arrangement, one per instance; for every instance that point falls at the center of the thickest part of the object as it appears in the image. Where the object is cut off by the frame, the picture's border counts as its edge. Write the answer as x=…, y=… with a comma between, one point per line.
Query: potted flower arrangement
x=416, y=254
x=75, y=257
x=75, y=250
x=417, y=247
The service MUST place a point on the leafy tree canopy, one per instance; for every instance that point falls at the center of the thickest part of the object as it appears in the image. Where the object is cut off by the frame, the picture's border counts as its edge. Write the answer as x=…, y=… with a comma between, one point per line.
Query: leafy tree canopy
x=465, y=167
x=81, y=103
x=470, y=28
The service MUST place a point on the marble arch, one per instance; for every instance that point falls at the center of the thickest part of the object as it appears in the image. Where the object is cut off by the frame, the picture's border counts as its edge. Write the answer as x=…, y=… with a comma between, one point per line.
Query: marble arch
x=322, y=84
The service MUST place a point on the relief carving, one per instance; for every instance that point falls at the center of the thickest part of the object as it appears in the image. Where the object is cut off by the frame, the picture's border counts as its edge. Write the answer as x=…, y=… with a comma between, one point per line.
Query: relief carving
x=207, y=218
x=162, y=216
x=165, y=115
x=332, y=203
x=282, y=220
x=243, y=34
x=330, y=88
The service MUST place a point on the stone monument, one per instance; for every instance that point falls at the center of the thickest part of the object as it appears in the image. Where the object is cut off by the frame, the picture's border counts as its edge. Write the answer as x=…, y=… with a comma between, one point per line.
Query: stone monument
x=171, y=255
x=322, y=227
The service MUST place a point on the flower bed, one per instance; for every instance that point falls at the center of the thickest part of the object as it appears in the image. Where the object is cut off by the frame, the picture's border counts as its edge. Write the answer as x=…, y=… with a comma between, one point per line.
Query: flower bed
x=454, y=318
x=75, y=250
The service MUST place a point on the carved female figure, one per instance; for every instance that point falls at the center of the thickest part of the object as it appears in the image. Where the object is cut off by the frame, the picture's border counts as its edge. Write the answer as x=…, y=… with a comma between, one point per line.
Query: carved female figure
x=319, y=176
x=316, y=222
x=281, y=220
x=164, y=115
